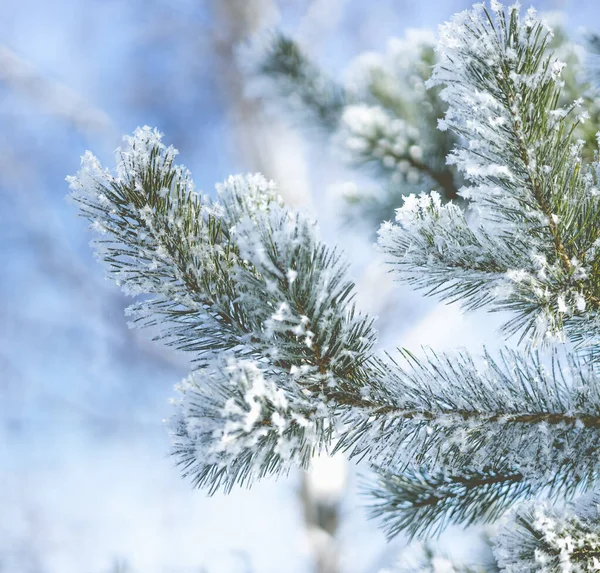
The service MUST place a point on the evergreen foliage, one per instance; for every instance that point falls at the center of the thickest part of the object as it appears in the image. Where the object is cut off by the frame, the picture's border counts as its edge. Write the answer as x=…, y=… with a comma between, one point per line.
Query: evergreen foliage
x=285, y=366
x=541, y=538
x=382, y=117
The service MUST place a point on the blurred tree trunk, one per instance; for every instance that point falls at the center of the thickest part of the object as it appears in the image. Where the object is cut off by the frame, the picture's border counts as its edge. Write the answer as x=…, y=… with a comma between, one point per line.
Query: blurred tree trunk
x=265, y=144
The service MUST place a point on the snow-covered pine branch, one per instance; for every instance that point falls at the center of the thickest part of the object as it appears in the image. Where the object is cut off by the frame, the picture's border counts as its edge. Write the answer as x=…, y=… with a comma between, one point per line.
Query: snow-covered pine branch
x=533, y=248
x=540, y=538
x=418, y=503
x=242, y=273
x=284, y=365
x=235, y=422
x=240, y=279
x=245, y=278
x=449, y=413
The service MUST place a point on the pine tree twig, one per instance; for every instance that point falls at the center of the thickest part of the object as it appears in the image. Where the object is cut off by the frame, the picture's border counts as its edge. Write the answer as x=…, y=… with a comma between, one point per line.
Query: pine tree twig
x=539, y=537
x=527, y=183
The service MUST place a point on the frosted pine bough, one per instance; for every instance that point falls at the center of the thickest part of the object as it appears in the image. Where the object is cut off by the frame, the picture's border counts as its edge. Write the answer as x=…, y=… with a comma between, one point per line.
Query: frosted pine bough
x=285, y=366
x=380, y=118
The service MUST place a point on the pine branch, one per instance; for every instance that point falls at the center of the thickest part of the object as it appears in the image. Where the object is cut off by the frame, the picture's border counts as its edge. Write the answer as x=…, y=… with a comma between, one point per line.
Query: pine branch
x=421, y=503
x=236, y=423
x=539, y=538
x=243, y=278
x=529, y=186
x=297, y=80
x=447, y=413
x=241, y=273
x=418, y=503
x=157, y=237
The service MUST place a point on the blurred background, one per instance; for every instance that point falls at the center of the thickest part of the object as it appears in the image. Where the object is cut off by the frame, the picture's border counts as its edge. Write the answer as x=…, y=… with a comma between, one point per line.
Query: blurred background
x=86, y=482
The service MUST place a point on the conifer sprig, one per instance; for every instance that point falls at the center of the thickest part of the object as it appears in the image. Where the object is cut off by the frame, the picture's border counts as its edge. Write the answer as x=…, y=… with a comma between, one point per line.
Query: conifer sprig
x=452, y=413
x=240, y=279
x=541, y=538
x=242, y=273
x=528, y=184
x=419, y=503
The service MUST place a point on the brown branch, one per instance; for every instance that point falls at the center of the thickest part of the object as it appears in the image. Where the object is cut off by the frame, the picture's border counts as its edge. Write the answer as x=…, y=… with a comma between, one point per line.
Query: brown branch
x=443, y=178
x=551, y=418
